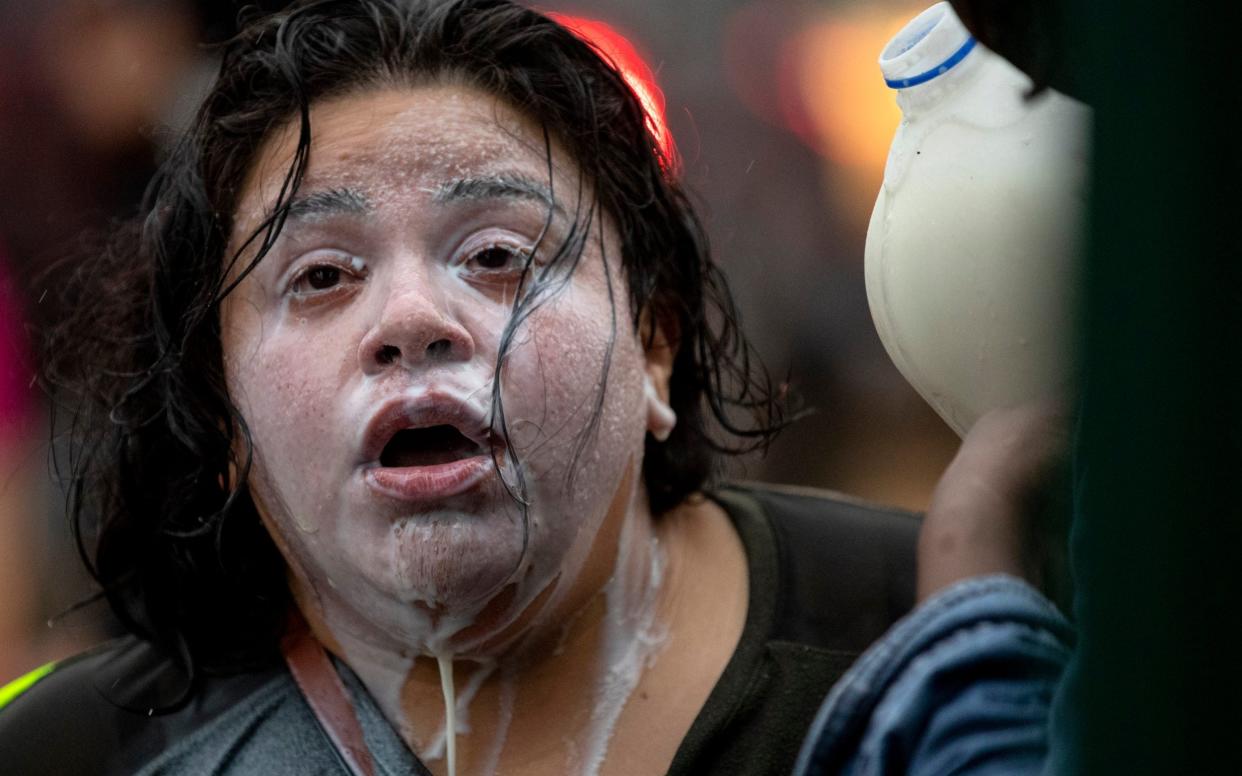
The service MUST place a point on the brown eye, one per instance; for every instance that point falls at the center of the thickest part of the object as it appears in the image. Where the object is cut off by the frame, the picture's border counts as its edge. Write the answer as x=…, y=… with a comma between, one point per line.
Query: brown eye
x=325, y=274
x=323, y=277
x=497, y=257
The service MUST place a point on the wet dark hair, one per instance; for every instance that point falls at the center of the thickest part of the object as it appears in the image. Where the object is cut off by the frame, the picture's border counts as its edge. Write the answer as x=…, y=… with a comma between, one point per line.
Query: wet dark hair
x=169, y=532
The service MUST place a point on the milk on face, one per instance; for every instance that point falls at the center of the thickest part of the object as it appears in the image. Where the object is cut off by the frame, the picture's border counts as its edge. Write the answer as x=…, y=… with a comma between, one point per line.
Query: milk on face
x=971, y=251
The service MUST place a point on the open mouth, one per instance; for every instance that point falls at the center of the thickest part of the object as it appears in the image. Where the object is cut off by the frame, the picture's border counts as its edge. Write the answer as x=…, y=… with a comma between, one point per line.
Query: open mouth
x=430, y=446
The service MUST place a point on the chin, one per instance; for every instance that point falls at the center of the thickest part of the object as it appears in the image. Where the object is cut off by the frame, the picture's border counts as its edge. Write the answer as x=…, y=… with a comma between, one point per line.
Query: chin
x=447, y=562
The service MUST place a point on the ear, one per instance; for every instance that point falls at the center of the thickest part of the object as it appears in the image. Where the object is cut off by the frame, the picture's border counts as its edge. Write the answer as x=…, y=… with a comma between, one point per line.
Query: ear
x=659, y=341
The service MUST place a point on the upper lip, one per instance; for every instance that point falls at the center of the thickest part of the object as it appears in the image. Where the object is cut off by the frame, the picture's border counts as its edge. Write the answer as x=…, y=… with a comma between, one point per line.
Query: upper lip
x=430, y=409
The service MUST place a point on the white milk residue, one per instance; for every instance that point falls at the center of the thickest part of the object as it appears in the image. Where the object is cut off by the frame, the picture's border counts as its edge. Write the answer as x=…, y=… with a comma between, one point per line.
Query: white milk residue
x=450, y=710
x=504, y=718
x=632, y=637
x=466, y=696
x=461, y=708
x=660, y=416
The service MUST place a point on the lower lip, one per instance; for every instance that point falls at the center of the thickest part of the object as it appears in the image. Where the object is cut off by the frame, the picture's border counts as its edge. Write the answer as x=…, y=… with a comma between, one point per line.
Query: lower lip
x=430, y=483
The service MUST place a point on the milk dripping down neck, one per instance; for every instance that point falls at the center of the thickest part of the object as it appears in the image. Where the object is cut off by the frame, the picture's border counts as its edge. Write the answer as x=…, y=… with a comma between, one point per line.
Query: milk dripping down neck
x=932, y=56
x=445, y=664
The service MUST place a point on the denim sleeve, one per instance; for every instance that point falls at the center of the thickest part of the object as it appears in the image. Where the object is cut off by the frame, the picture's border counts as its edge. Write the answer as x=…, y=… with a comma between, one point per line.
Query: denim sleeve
x=963, y=685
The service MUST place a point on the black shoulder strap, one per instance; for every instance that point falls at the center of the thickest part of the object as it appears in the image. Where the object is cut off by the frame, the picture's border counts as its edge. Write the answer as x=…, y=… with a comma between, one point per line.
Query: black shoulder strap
x=847, y=567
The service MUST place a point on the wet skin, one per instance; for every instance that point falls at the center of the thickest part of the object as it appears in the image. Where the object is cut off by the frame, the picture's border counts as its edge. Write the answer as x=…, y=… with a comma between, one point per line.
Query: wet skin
x=382, y=305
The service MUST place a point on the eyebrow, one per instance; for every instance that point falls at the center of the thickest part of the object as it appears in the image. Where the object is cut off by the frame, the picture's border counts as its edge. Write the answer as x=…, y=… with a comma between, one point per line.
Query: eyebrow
x=328, y=203
x=503, y=186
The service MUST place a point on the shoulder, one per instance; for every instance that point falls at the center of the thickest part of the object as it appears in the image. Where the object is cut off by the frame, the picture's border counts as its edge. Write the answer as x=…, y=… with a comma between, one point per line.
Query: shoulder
x=844, y=568
x=828, y=575
x=110, y=710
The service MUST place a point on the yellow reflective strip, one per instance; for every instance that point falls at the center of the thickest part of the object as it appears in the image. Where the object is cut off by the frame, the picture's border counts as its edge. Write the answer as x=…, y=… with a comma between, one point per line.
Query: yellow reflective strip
x=23, y=683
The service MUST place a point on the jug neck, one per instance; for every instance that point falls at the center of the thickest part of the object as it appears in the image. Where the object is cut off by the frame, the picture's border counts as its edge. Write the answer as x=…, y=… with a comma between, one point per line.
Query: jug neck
x=931, y=57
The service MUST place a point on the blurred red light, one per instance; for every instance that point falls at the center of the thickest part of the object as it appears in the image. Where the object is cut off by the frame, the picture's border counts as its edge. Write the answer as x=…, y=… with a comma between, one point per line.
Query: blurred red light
x=618, y=49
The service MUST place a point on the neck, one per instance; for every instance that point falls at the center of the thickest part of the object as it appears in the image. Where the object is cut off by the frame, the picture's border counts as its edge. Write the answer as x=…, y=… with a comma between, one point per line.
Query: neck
x=601, y=635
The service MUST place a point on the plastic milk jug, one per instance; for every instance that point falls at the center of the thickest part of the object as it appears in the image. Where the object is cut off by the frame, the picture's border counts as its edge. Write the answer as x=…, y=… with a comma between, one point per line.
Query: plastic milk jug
x=971, y=256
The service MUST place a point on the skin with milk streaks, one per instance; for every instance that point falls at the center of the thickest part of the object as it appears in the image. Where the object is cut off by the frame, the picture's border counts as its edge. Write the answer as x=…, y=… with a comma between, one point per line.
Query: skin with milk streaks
x=362, y=353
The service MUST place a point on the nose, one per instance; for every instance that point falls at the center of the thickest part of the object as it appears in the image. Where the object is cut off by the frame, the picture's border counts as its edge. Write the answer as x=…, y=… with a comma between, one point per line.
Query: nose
x=414, y=329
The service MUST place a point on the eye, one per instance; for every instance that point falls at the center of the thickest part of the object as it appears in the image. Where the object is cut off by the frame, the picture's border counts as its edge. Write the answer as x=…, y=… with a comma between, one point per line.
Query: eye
x=322, y=277
x=497, y=258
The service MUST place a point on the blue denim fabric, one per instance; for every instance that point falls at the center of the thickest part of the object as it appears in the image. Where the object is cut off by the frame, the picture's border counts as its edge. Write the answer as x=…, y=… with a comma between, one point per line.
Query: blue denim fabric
x=963, y=685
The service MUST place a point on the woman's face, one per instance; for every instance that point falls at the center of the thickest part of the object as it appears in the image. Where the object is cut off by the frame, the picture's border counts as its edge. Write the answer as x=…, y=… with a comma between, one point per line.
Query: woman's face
x=362, y=351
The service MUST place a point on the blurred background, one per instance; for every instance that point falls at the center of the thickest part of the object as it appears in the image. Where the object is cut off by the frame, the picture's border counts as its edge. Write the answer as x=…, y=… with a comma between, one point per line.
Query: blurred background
x=776, y=106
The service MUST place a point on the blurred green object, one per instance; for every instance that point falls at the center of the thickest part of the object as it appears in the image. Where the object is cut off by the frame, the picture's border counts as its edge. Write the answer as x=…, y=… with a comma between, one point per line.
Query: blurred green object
x=10, y=691
x=1157, y=683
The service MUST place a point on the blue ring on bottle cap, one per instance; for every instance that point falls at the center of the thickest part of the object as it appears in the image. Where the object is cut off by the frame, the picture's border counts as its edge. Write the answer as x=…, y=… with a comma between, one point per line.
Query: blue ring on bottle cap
x=941, y=69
